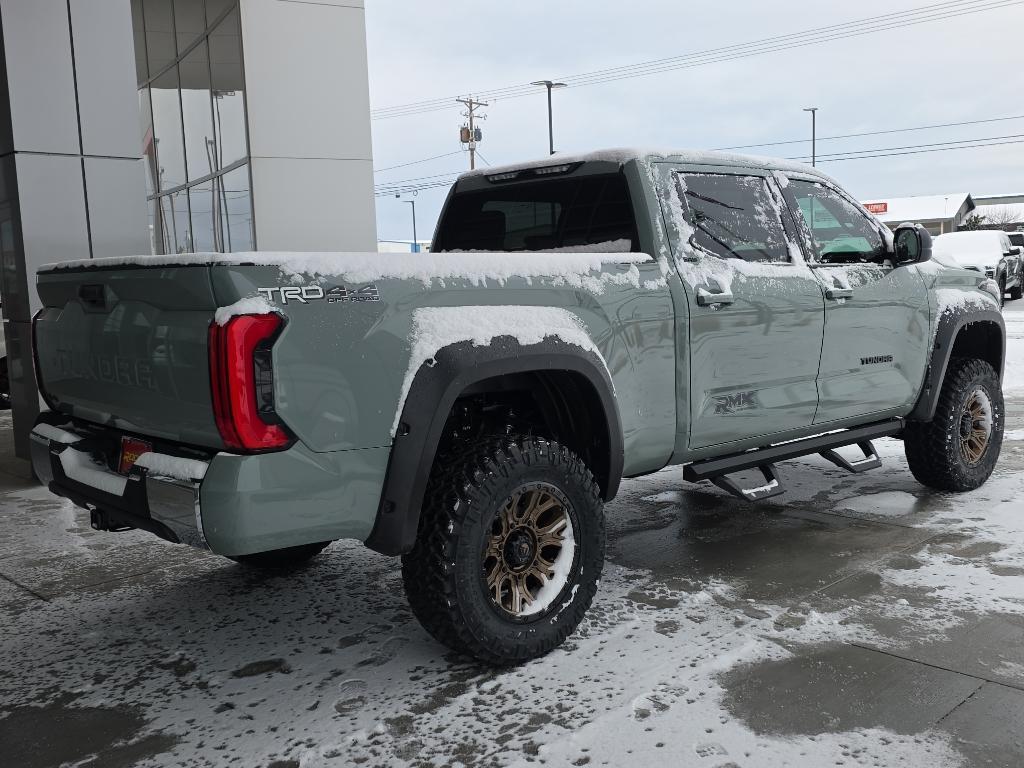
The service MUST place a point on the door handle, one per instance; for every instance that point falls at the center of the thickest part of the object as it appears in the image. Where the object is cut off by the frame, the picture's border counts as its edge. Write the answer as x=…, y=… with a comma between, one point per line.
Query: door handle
x=706, y=298
x=838, y=293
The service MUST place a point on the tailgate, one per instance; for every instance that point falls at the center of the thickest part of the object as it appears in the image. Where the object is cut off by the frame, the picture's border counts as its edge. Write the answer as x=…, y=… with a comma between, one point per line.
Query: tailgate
x=127, y=347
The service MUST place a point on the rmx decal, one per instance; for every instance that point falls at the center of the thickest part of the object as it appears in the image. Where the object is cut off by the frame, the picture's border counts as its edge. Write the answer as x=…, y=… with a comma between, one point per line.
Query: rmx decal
x=332, y=295
x=735, y=401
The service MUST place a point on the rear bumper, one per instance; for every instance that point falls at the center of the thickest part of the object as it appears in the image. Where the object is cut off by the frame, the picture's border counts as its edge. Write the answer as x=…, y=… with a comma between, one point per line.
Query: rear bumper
x=167, y=506
x=230, y=504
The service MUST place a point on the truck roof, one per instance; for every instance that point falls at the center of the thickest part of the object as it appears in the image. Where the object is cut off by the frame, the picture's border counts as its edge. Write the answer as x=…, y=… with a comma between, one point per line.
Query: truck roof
x=624, y=155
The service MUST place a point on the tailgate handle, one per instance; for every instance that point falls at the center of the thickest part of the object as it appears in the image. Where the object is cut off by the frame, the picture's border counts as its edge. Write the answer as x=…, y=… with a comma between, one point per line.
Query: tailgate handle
x=93, y=295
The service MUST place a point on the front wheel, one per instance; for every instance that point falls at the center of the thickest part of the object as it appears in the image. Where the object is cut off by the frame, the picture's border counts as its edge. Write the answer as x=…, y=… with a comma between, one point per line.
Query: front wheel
x=958, y=449
x=510, y=549
x=1018, y=290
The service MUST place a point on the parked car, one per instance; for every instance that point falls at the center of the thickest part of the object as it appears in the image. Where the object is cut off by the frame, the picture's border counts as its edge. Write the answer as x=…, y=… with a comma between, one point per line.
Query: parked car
x=988, y=251
x=582, y=319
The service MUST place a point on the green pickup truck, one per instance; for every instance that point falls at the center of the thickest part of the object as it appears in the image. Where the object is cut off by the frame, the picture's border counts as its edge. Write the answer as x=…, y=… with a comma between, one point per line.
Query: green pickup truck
x=580, y=320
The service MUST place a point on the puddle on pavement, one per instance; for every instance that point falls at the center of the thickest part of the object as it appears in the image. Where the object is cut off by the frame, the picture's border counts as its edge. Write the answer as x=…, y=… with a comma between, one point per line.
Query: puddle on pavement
x=86, y=736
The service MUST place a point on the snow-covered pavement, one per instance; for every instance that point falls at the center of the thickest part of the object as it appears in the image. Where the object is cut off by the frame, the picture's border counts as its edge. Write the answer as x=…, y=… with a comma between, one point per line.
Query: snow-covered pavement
x=856, y=620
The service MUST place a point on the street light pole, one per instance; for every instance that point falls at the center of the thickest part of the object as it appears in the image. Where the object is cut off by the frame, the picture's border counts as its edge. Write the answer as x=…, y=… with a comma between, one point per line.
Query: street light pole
x=551, y=130
x=814, y=129
x=415, y=241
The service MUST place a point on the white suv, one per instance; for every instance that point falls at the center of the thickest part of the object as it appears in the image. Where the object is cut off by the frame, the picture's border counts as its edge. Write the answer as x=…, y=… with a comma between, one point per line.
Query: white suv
x=988, y=251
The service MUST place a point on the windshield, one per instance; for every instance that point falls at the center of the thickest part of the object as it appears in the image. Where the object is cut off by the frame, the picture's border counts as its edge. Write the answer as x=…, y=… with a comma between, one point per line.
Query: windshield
x=585, y=213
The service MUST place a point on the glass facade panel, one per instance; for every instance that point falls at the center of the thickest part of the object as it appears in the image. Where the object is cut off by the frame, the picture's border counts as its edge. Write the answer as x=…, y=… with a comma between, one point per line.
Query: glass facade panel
x=236, y=210
x=148, y=143
x=228, y=90
x=139, y=29
x=193, y=124
x=170, y=150
x=160, y=48
x=189, y=22
x=177, y=234
x=195, y=110
x=203, y=203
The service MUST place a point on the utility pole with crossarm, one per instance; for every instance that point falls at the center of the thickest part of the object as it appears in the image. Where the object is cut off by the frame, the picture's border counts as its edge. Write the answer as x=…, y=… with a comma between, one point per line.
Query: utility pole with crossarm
x=470, y=134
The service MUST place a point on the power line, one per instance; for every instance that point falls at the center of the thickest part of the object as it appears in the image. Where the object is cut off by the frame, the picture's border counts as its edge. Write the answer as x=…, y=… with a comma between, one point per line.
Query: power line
x=873, y=133
x=417, y=162
x=444, y=180
x=815, y=36
x=913, y=146
x=909, y=151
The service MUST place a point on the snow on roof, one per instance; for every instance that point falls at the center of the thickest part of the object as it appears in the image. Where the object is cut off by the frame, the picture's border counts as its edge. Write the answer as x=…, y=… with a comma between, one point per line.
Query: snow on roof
x=920, y=208
x=626, y=154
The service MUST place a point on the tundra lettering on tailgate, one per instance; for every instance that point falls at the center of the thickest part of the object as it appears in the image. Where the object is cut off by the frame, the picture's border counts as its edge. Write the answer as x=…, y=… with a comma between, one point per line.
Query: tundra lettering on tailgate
x=110, y=369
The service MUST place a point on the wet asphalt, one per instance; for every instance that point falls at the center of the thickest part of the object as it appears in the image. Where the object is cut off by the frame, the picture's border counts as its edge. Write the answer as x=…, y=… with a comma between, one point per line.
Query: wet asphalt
x=123, y=650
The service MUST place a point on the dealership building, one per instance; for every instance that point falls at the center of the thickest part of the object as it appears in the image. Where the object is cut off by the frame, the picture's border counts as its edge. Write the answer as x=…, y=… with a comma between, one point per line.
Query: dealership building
x=938, y=213
x=162, y=126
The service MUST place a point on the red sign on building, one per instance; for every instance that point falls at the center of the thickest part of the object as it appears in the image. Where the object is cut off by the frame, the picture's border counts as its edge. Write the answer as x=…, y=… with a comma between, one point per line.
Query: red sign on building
x=877, y=207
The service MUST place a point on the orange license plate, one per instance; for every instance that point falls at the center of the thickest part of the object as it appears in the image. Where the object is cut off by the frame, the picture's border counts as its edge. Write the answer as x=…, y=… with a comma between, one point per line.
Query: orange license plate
x=131, y=449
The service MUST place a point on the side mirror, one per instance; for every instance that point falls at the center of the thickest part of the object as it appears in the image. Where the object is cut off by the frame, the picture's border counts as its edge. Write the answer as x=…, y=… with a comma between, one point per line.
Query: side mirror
x=912, y=243
x=1014, y=251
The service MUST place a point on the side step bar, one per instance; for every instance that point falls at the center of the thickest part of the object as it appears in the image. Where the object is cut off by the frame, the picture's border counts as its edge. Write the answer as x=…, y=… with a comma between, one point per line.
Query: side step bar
x=718, y=469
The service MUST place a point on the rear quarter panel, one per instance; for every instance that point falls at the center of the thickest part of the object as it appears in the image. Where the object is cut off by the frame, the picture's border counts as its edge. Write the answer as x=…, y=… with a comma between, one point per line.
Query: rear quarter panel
x=340, y=366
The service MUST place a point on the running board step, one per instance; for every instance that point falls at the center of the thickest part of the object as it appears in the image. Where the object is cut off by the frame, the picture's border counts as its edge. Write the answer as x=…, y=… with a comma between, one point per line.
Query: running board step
x=871, y=459
x=772, y=485
x=716, y=469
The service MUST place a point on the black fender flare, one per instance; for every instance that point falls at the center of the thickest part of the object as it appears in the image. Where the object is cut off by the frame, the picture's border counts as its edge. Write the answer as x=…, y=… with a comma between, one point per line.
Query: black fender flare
x=434, y=391
x=950, y=324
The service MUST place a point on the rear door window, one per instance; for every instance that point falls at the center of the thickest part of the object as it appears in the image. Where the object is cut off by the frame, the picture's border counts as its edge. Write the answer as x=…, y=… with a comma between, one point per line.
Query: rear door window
x=734, y=217
x=570, y=213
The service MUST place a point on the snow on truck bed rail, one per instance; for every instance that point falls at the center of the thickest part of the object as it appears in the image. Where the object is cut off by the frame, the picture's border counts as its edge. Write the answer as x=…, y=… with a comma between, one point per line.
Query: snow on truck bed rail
x=477, y=266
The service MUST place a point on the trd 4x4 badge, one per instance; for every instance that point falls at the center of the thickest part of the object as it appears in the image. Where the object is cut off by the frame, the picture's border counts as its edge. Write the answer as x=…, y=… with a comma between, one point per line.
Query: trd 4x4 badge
x=332, y=295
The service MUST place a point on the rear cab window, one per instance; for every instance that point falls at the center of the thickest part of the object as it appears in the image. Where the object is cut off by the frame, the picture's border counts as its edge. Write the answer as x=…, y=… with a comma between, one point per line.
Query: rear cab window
x=570, y=213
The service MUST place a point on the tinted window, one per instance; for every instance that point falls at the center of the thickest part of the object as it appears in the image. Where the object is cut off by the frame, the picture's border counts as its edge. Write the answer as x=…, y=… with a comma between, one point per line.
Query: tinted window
x=1017, y=238
x=734, y=217
x=535, y=216
x=839, y=233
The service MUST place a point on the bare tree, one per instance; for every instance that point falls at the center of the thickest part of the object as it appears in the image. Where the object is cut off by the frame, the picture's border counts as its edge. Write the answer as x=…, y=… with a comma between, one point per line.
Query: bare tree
x=1004, y=215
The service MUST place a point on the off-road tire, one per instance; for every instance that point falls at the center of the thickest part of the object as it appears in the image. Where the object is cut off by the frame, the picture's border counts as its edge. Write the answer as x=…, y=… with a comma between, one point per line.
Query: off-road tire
x=933, y=448
x=290, y=557
x=444, y=572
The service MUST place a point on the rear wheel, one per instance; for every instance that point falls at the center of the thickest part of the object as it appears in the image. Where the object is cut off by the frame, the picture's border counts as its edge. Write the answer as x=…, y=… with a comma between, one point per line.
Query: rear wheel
x=958, y=449
x=1017, y=291
x=509, y=551
x=290, y=557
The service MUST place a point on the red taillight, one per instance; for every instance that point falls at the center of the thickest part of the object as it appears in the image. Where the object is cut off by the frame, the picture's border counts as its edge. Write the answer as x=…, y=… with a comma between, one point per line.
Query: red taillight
x=242, y=383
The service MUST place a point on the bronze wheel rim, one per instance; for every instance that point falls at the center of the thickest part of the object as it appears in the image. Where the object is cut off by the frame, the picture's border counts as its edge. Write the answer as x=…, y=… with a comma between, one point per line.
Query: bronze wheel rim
x=529, y=550
x=975, y=426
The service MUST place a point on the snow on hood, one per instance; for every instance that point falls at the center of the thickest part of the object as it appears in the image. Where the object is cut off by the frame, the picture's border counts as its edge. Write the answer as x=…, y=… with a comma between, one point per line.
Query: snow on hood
x=976, y=248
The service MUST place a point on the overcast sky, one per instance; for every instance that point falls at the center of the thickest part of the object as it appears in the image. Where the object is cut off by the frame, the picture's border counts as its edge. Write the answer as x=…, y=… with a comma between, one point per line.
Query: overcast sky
x=965, y=68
